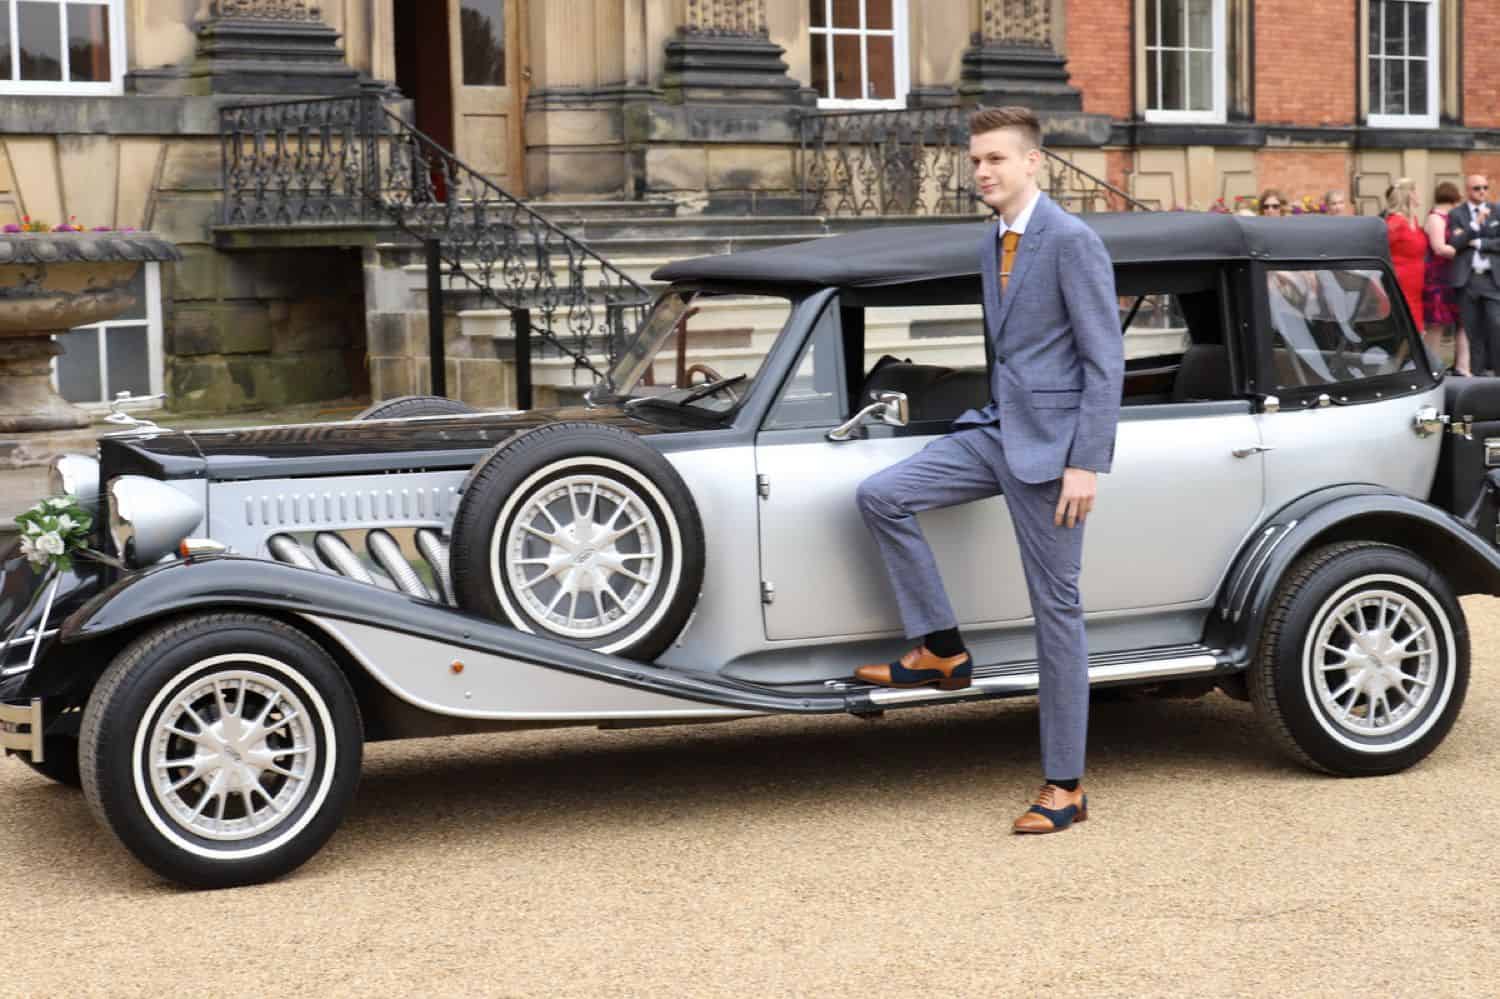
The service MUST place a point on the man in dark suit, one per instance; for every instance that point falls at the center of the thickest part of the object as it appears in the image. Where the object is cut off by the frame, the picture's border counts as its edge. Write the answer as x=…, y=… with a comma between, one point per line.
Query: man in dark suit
x=1054, y=324
x=1474, y=231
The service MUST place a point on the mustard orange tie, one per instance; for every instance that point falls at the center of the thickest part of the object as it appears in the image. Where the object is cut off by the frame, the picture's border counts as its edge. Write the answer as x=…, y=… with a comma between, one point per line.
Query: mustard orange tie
x=1008, y=244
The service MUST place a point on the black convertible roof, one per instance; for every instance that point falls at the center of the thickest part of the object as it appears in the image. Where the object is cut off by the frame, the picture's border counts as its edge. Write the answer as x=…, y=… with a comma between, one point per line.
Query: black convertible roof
x=898, y=255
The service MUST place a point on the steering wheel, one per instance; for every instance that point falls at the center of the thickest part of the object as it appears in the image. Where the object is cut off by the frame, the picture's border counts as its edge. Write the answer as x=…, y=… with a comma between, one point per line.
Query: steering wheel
x=710, y=377
x=708, y=373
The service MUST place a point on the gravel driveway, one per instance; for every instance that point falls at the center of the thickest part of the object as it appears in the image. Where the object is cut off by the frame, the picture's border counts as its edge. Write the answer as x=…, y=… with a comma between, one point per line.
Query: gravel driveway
x=792, y=857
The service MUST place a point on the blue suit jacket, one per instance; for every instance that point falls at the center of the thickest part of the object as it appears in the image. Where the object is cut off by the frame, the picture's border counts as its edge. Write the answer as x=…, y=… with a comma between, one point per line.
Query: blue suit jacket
x=1059, y=356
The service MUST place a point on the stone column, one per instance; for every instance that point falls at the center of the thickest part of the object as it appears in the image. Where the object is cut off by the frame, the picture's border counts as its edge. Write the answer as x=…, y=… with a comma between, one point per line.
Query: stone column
x=269, y=47
x=723, y=54
x=1013, y=58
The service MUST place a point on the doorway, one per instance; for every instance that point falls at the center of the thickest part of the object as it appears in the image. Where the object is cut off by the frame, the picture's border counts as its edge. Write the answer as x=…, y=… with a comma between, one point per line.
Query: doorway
x=460, y=62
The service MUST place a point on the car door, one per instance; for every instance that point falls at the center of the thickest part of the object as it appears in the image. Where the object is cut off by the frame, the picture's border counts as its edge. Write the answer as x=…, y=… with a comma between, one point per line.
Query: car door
x=1185, y=491
x=1348, y=373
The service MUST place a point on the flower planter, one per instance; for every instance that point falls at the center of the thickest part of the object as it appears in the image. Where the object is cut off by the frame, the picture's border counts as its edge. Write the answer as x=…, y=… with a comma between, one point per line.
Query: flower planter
x=51, y=282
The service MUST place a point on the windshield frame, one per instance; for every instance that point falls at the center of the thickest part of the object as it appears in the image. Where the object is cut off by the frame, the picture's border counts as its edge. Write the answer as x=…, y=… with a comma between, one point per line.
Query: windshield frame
x=635, y=360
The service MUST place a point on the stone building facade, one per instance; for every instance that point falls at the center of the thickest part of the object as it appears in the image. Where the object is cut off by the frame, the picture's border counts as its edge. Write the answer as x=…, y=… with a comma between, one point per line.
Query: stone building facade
x=700, y=109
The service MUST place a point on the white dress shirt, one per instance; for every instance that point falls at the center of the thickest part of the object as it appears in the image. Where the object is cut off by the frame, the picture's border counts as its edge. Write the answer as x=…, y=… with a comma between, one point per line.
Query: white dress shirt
x=1021, y=220
x=1481, y=262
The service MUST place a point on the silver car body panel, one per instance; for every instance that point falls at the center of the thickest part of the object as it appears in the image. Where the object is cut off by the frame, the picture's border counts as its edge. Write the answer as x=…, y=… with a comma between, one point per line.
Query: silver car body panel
x=245, y=515
x=467, y=683
x=1375, y=442
x=726, y=624
x=1172, y=478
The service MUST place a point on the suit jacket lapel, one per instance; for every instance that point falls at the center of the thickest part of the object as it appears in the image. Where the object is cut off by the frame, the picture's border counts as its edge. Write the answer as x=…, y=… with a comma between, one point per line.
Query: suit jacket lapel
x=1026, y=251
x=989, y=279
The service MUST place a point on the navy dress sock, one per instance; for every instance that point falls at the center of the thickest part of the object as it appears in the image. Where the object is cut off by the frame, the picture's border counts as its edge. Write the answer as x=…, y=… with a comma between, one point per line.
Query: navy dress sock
x=945, y=643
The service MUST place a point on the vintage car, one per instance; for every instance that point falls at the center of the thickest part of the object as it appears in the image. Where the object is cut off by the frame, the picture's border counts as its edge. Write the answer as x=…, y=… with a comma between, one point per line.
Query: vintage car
x=1298, y=500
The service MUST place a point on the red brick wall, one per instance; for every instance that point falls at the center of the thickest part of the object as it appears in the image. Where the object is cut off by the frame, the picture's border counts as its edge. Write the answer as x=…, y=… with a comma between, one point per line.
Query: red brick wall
x=1099, y=54
x=1297, y=173
x=1118, y=166
x=1304, y=62
x=1481, y=69
x=1484, y=163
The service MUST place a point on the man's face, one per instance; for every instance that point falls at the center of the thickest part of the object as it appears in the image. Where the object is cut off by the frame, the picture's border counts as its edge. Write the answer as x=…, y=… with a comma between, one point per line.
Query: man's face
x=1004, y=169
x=1479, y=189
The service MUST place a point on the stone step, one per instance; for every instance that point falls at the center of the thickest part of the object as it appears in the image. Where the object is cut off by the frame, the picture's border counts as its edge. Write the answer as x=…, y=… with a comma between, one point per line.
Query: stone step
x=586, y=211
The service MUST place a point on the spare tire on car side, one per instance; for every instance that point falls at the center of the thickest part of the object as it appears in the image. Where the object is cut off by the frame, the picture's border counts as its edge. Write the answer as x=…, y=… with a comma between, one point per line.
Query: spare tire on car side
x=581, y=533
x=414, y=405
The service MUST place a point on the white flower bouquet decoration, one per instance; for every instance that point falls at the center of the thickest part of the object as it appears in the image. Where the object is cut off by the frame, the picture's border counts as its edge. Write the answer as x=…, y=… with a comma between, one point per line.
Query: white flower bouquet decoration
x=52, y=532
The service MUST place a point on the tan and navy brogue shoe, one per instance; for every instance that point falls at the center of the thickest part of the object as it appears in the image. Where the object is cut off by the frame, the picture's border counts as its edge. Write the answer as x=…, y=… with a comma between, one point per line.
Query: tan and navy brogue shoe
x=1054, y=810
x=918, y=668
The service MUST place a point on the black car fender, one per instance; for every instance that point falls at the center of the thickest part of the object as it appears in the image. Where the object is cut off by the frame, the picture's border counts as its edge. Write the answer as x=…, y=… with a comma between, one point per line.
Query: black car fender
x=1470, y=563
x=231, y=582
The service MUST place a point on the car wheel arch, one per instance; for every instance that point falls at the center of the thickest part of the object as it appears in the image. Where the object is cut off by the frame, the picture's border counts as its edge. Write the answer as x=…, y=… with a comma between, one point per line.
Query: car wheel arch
x=101, y=650
x=1336, y=515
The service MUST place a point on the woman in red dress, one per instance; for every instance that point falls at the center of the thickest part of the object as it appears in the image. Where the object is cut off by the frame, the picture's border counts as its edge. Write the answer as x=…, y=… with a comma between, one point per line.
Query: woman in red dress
x=1408, y=244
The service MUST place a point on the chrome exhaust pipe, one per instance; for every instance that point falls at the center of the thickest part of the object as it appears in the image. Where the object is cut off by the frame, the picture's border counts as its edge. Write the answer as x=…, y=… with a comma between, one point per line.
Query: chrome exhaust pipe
x=430, y=544
x=284, y=548
x=387, y=554
x=341, y=558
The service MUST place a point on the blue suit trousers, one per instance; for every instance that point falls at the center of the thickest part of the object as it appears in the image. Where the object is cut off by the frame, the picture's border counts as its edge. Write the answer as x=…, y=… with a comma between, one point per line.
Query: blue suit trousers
x=961, y=467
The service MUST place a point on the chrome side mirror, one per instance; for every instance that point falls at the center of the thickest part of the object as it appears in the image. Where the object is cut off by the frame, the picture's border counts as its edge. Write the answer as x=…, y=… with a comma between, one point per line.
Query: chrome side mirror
x=890, y=408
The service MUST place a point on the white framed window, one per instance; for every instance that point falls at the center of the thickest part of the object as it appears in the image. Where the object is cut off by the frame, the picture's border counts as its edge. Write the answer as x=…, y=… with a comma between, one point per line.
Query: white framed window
x=1402, y=66
x=62, y=46
x=1186, y=64
x=123, y=354
x=860, y=55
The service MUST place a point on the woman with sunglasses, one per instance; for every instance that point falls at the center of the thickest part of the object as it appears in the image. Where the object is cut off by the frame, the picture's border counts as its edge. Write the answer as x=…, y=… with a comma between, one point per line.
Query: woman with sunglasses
x=1272, y=203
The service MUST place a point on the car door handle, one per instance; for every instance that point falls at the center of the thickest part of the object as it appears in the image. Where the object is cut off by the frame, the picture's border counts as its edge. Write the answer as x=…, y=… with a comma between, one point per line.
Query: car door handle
x=1245, y=452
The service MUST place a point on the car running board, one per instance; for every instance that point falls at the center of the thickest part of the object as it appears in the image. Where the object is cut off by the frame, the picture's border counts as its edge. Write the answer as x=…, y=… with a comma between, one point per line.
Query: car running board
x=1019, y=678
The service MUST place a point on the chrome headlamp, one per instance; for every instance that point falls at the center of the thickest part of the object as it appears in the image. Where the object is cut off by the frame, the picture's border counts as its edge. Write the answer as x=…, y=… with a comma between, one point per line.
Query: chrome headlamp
x=75, y=476
x=148, y=518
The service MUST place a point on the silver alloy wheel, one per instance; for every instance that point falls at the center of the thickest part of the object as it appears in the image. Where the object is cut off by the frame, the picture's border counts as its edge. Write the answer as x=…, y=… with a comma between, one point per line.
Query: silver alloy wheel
x=584, y=556
x=1376, y=663
x=232, y=754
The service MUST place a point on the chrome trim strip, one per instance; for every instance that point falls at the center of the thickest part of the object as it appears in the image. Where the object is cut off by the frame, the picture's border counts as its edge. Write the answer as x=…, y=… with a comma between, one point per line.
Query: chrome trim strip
x=28, y=637
x=1255, y=569
x=1234, y=584
x=15, y=717
x=1028, y=681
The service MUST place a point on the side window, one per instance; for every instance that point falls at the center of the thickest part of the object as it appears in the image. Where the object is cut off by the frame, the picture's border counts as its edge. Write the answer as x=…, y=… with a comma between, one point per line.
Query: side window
x=1333, y=326
x=933, y=353
x=1157, y=327
x=810, y=398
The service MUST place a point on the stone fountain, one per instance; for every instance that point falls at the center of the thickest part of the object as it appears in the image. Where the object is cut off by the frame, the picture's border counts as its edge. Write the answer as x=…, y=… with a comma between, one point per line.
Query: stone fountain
x=51, y=282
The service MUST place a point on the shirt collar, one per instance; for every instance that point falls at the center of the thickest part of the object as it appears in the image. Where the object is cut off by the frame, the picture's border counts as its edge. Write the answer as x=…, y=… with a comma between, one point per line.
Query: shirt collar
x=1022, y=220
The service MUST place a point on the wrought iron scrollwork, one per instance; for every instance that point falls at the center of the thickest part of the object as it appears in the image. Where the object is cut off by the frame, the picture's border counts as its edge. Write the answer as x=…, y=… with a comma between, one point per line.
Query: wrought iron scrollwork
x=350, y=160
x=916, y=162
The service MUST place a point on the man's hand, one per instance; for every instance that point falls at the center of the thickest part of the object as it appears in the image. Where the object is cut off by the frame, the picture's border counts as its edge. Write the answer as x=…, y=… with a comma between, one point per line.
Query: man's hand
x=1077, y=498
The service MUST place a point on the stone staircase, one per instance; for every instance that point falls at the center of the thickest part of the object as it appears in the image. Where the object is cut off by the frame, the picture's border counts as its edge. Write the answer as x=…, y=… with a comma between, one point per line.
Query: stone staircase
x=636, y=238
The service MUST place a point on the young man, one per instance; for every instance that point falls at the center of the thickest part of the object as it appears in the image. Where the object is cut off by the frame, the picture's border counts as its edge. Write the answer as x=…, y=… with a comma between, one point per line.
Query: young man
x=1053, y=321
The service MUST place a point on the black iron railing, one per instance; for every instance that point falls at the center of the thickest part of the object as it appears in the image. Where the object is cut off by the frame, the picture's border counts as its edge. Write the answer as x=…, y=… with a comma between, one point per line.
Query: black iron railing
x=350, y=160
x=916, y=162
